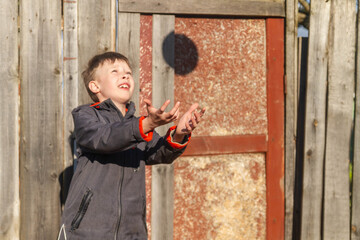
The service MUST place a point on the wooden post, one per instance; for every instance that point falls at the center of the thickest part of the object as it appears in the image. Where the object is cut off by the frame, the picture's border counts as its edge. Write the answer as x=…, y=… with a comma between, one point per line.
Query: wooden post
x=291, y=77
x=41, y=137
x=355, y=214
x=314, y=143
x=129, y=45
x=341, y=74
x=9, y=122
x=70, y=91
x=163, y=89
x=275, y=107
x=95, y=35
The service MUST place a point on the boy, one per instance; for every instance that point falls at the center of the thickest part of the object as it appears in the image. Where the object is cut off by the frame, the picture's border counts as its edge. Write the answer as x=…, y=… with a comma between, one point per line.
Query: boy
x=107, y=193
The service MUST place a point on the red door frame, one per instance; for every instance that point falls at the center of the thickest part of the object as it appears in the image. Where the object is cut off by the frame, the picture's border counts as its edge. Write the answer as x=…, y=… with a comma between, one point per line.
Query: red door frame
x=275, y=211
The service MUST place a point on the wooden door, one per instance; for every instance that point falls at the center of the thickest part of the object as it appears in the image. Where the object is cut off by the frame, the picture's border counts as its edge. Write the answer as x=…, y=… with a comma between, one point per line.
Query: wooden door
x=229, y=183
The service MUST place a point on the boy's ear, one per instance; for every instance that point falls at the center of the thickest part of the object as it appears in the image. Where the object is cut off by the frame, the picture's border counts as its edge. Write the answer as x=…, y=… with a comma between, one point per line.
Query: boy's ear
x=93, y=86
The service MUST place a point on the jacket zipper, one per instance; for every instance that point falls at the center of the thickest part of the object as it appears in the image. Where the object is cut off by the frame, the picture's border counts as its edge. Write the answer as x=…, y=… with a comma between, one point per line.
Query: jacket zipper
x=120, y=185
x=119, y=198
x=82, y=209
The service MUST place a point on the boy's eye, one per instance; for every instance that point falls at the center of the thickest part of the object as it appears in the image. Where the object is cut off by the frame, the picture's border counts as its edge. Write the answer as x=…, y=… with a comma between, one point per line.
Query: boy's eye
x=114, y=71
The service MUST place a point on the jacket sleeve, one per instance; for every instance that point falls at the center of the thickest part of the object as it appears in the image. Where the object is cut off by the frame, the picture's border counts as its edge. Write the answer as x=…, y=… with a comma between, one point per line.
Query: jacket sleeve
x=97, y=136
x=164, y=149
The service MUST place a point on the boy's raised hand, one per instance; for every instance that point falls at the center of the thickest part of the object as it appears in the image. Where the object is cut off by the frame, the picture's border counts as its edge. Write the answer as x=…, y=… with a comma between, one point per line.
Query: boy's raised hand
x=158, y=117
x=188, y=122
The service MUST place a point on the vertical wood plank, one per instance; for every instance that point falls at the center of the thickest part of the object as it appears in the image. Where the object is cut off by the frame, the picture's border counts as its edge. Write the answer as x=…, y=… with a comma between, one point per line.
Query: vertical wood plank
x=129, y=45
x=40, y=137
x=314, y=143
x=163, y=89
x=9, y=122
x=291, y=112
x=355, y=203
x=113, y=23
x=95, y=35
x=275, y=107
x=70, y=90
x=341, y=74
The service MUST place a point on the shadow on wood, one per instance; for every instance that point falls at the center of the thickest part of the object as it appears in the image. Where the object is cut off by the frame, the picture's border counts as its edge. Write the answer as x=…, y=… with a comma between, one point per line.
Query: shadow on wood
x=303, y=48
x=66, y=175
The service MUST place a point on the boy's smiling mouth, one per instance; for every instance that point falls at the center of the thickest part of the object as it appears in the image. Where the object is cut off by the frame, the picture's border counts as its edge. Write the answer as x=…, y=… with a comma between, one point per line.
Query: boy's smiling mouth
x=124, y=86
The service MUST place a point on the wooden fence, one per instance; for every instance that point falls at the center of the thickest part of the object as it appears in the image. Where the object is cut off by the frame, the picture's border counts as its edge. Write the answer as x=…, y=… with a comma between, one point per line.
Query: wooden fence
x=39, y=86
x=45, y=45
x=321, y=200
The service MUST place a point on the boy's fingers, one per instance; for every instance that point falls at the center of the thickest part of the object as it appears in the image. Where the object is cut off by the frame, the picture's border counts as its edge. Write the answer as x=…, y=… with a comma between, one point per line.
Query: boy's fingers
x=193, y=108
x=197, y=117
x=175, y=116
x=194, y=123
x=187, y=125
x=175, y=108
x=148, y=102
x=163, y=107
x=202, y=112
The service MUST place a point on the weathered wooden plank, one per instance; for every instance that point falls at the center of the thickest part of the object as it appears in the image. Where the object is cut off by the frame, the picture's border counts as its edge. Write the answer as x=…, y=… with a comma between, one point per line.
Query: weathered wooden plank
x=206, y=7
x=162, y=198
x=314, y=143
x=291, y=74
x=40, y=131
x=113, y=23
x=70, y=90
x=341, y=72
x=95, y=36
x=129, y=45
x=355, y=203
x=9, y=122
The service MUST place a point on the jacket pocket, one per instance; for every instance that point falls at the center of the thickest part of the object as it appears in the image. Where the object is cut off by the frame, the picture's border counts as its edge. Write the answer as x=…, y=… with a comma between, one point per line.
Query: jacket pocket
x=82, y=209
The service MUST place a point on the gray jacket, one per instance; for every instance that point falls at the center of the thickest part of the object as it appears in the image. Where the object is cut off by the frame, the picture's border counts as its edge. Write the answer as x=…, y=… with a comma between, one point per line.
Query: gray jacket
x=107, y=193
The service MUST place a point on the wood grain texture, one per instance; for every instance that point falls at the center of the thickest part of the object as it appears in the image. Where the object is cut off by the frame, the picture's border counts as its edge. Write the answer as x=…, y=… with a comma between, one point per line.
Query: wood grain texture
x=129, y=45
x=70, y=90
x=162, y=198
x=9, y=122
x=355, y=214
x=291, y=74
x=206, y=7
x=341, y=74
x=41, y=137
x=95, y=36
x=314, y=144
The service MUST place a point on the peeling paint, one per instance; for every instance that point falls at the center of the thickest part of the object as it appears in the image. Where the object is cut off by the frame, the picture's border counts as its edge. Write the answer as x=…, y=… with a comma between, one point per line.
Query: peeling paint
x=145, y=86
x=218, y=197
x=230, y=76
x=145, y=61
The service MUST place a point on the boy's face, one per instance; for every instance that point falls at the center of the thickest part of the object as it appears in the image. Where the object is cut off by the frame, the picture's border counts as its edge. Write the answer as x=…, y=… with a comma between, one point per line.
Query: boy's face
x=113, y=80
